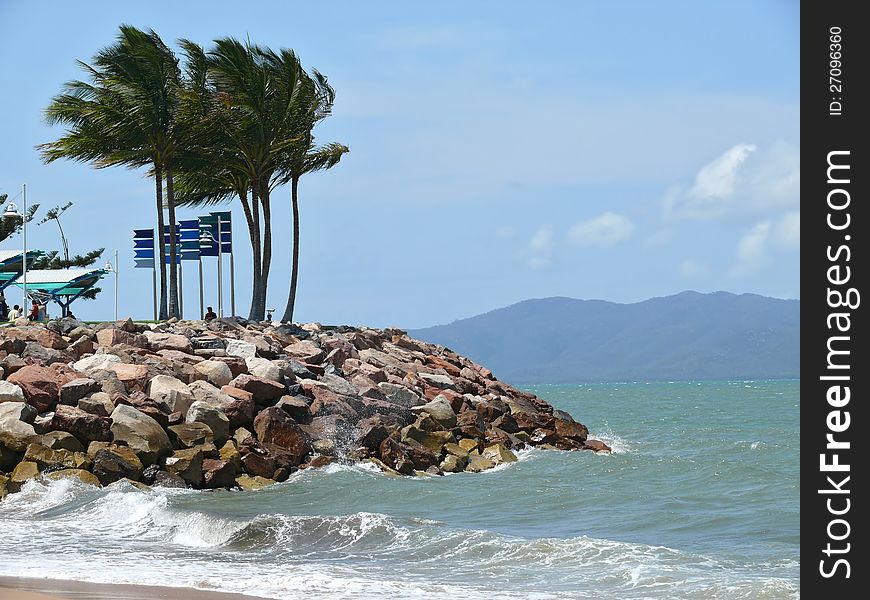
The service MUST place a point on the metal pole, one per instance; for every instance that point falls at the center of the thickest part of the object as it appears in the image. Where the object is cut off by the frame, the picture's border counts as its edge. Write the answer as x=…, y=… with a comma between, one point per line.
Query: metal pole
x=24, y=255
x=232, y=285
x=154, y=288
x=201, y=304
x=117, y=265
x=180, y=291
x=220, y=270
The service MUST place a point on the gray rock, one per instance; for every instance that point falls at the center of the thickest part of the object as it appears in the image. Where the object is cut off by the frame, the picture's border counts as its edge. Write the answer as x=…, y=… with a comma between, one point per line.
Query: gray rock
x=338, y=385
x=16, y=432
x=216, y=372
x=96, y=361
x=141, y=433
x=440, y=410
x=73, y=391
x=400, y=395
x=264, y=368
x=99, y=403
x=201, y=412
x=170, y=391
x=437, y=380
x=10, y=392
x=241, y=348
x=61, y=440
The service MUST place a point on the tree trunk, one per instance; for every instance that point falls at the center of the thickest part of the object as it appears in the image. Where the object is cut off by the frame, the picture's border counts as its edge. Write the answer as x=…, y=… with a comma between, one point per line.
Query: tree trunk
x=173, y=246
x=256, y=313
x=159, y=248
x=267, y=250
x=254, y=234
x=294, y=272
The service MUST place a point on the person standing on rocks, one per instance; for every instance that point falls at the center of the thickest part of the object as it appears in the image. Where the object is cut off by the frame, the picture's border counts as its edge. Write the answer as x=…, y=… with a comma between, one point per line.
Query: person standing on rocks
x=4, y=308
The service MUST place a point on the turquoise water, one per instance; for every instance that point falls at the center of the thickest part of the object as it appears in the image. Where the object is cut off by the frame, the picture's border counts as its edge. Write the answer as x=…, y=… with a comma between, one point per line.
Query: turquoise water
x=699, y=500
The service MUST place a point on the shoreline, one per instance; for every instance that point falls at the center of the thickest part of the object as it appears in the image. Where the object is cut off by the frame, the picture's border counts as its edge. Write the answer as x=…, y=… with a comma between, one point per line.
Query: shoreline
x=32, y=588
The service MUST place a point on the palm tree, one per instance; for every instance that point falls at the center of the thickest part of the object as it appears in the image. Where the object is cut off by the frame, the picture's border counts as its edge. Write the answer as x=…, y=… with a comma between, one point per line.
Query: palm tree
x=244, y=98
x=315, y=104
x=126, y=116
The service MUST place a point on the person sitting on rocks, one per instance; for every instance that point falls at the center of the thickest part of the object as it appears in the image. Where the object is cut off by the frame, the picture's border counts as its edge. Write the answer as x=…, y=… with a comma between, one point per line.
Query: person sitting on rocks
x=15, y=313
x=210, y=314
x=34, y=312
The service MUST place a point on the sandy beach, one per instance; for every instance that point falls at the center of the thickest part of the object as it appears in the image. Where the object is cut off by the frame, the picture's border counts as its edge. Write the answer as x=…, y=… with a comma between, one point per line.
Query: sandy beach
x=23, y=588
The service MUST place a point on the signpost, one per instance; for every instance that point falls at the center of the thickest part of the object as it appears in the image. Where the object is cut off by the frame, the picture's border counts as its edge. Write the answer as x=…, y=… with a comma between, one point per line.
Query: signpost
x=143, y=248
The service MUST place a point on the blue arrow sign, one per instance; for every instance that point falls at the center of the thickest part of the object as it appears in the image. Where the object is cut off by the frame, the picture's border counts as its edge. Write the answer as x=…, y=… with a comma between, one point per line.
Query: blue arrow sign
x=144, y=253
x=143, y=233
x=144, y=263
x=144, y=243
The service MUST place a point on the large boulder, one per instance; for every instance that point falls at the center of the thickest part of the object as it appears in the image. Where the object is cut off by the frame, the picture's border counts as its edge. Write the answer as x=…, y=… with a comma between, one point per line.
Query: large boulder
x=218, y=473
x=437, y=380
x=399, y=394
x=11, y=392
x=39, y=384
x=338, y=385
x=114, y=337
x=440, y=410
x=214, y=417
x=16, y=431
x=114, y=463
x=86, y=427
x=264, y=391
x=306, y=352
x=73, y=391
x=47, y=458
x=216, y=372
x=187, y=464
x=241, y=348
x=170, y=391
x=168, y=341
x=134, y=377
x=140, y=432
x=264, y=368
x=96, y=361
x=188, y=435
x=274, y=426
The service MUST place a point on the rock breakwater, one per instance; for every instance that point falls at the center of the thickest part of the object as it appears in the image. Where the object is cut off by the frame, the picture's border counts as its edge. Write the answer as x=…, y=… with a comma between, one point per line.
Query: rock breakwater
x=230, y=403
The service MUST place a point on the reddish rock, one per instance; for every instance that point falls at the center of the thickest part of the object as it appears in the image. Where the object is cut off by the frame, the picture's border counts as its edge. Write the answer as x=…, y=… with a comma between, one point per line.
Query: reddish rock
x=235, y=392
x=85, y=426
x=33, y=333
x=134, y=377
x=274, y=426
x=295, y=406
x=39, y=384
x=305, y=352
x=597, y=446
x=168, y=341
x=263, y=390
x=236, y=364
x=439, y=362
x=394, y=454
x=371, y=433
x=218, y=473
x=571, y=429
x=327, y=402
x=240, y=412
x=115, y=337
x=258, y=463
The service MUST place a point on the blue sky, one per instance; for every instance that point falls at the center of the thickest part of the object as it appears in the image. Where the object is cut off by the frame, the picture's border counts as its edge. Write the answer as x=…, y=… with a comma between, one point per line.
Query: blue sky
x=499, y=151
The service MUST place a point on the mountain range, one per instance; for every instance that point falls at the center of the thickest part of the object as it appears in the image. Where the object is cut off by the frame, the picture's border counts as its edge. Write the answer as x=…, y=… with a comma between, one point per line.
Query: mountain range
x=689, y=335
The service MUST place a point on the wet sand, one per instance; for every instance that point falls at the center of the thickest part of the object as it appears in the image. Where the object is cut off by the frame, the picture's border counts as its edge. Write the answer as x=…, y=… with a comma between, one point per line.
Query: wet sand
x=24, y=588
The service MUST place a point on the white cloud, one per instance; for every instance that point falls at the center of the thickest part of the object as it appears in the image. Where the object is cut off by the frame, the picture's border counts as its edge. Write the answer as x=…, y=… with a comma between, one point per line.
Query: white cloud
x=604, y=230
x=743, y=181
x=540, y=251
x=788, y=230
x=691, y=268
x=752, y=249
x=717, y=179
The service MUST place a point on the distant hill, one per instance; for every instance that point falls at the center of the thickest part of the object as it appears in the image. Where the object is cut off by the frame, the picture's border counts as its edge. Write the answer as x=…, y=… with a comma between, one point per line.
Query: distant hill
x=686, y=336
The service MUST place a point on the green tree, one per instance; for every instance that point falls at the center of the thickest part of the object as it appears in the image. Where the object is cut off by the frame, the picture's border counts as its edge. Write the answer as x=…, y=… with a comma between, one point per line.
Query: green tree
x=9, y=226
x=126, y=115
x=245, y=99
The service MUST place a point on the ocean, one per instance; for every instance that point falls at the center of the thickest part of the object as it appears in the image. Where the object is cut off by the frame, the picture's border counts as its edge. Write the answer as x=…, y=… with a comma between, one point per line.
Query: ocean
x=698, y=500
